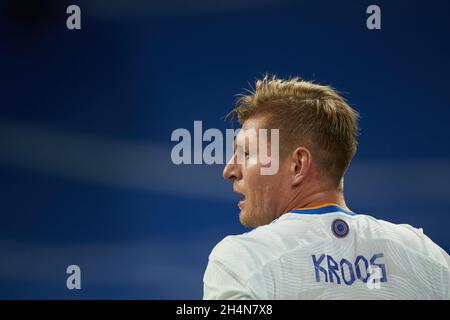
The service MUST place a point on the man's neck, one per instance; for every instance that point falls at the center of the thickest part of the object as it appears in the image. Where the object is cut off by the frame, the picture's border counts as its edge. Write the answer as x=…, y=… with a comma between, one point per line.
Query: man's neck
x=318, y=198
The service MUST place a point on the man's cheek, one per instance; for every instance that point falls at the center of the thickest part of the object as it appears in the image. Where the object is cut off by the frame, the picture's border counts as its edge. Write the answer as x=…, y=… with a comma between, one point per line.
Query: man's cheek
x=252, y=160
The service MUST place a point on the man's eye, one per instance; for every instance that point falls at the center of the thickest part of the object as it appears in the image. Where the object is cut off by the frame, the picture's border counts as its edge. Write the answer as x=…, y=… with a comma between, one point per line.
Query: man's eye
x=242, y=152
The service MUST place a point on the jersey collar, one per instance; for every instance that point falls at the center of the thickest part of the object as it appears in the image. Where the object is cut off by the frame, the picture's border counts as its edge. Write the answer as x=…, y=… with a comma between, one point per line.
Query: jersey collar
x=322, y=209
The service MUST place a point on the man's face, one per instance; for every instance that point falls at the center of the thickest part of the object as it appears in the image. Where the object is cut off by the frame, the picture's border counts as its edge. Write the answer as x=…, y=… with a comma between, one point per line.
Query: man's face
x=263, y=195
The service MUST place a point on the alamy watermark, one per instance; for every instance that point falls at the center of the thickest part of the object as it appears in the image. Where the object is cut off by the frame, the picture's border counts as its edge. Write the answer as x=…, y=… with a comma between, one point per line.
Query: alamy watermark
x=73, y=21
x=74, y=279
x=373, y=21
x=242, y=147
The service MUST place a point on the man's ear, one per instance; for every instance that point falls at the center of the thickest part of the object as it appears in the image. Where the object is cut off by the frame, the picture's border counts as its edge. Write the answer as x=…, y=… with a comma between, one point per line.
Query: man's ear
x=300, y=165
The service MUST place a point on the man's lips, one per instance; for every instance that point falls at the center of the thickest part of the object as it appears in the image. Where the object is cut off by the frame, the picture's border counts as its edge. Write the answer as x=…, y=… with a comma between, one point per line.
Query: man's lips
x=242, y=201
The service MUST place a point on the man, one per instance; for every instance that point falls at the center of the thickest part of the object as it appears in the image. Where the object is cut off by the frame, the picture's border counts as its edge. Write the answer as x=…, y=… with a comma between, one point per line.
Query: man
x=307, y=243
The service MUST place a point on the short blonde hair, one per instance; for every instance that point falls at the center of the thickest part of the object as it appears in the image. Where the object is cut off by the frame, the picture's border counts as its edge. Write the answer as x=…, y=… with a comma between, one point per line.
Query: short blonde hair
x=308, y=114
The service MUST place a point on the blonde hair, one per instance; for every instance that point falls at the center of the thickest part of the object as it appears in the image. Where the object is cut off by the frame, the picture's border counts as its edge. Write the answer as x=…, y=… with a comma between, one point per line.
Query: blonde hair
x=308, y=114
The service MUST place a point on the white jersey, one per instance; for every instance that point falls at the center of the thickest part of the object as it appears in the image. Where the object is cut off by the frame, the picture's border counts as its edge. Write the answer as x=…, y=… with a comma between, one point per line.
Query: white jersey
x=326, y=252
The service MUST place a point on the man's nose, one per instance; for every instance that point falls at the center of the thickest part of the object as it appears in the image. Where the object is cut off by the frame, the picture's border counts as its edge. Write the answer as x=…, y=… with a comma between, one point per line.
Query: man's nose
x=231, y=170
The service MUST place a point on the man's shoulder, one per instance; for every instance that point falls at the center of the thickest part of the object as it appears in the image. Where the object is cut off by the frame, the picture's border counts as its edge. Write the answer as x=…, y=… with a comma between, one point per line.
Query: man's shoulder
x=403, y=235
x=241, y=259
x=246, y=254
x=241, y=245
x=289, y=232
x=257, y=246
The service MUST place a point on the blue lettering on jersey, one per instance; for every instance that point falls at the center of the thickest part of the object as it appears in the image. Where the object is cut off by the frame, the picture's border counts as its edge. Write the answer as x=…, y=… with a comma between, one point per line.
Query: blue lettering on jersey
x=333, y=269
x=347, y=275
x=358, y=269
x=319, y=268
x=345, y=271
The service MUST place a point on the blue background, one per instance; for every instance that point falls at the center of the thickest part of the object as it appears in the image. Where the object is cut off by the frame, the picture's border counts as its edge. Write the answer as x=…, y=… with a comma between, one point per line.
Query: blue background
x=86, y=117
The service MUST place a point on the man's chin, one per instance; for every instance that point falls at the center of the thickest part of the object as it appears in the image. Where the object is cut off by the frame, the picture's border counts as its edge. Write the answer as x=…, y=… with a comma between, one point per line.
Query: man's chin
x=243, y=219
x=247, y=221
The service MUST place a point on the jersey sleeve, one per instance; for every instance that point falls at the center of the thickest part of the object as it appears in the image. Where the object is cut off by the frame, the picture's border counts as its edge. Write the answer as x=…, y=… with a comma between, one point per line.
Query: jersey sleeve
x=221, y=283
x=446, y=276
x=226, y=276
